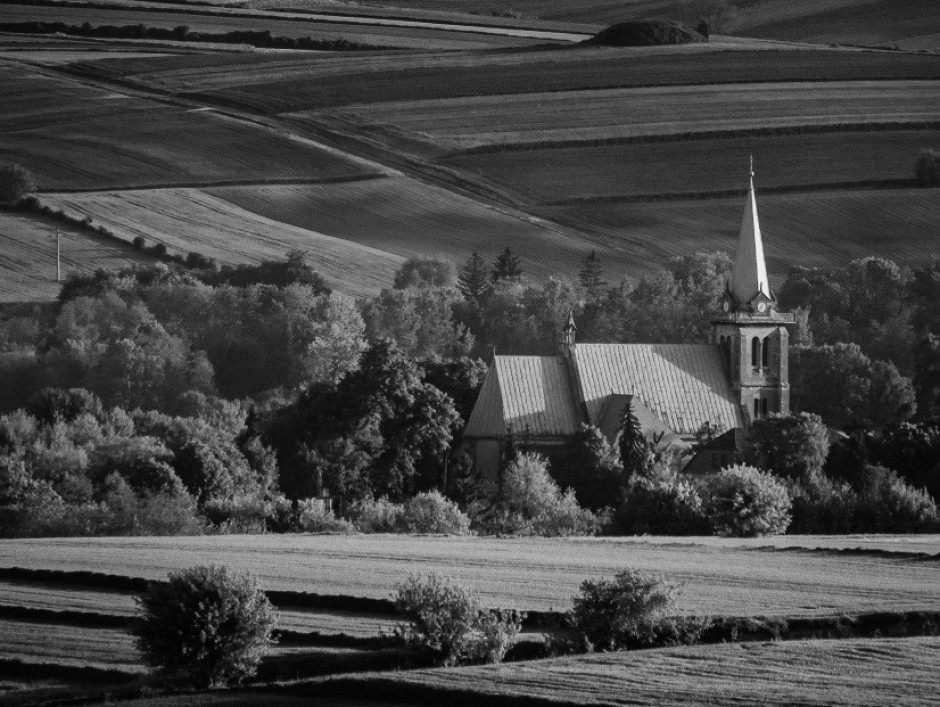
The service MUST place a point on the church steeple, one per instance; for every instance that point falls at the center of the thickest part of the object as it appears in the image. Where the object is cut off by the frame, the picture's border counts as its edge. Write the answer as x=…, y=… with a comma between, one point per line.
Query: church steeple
x=749, y=278
x=752, y=334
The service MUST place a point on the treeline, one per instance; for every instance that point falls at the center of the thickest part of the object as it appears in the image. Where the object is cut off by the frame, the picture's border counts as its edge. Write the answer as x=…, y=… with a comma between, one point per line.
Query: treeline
x=256, y=38
x=234, y=398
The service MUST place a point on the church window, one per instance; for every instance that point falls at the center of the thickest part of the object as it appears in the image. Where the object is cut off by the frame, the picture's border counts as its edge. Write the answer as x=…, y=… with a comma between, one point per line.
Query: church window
x=763, y=407
x=755, y=353
x=765, y=353
x=756, y=408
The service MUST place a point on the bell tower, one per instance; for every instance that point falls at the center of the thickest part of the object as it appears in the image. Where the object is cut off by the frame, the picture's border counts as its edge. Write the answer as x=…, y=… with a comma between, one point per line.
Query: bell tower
x=751, y=332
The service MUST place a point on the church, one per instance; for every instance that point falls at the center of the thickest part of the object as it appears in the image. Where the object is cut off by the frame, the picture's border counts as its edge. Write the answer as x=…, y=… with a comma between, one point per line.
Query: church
x=675, y=389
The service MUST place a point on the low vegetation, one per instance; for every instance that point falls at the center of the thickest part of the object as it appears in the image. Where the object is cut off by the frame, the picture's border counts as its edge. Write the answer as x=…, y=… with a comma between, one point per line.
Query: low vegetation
x=645, y=34
x=206, y=627
x=450, y=623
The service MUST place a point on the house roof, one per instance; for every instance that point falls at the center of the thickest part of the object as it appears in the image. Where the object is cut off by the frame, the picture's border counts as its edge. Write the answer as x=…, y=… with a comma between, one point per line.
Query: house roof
x=532, y=393
x=683, y=385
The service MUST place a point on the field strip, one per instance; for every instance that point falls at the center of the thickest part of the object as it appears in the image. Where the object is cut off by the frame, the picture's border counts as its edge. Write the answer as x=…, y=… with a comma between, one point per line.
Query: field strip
x=191, y=220
x=220, y=184
x=464, y=26
x=517, y=120
x=723, y=578
x=848, y=673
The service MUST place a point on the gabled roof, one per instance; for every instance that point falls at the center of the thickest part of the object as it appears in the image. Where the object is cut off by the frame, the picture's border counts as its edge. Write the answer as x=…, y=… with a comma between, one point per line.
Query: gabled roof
x=750, y=268
x=531, y=393
x=683, y=385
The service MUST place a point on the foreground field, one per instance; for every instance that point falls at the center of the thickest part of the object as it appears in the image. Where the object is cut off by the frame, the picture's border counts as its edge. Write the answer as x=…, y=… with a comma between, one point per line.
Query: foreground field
x=850, y=673
x=28, y=261
x=719, y=577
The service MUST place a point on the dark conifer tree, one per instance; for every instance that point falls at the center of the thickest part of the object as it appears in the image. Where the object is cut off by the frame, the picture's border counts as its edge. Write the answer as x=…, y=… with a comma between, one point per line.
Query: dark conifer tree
x=632, y=445
x=508, y=266
x=474, y=281
x=591, y=274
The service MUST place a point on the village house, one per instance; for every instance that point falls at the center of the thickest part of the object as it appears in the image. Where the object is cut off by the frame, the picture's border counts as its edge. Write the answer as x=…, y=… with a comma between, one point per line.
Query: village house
x=675, y=389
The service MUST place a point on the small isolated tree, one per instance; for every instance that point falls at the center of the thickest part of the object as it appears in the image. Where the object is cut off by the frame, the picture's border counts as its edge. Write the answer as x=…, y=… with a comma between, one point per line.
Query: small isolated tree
x=629, y=611
x=205, y=626
x=927, y=168
x=16, y=182
x=424, y=272
x=746, y=502
x=508, y=266
x=451, y=623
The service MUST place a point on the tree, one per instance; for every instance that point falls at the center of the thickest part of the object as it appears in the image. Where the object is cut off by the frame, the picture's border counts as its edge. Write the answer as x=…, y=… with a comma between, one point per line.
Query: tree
x=927, y=168
x=424, y=272
x=745, y=502
x=206, y=626
x=16, y=182
x=719, y=16
x=337, y=342
x=793, y=447
x=591, y=468
x=591, y=274
x=474, y=280
x=508, y=266
x=927, y=377
x=632, y=445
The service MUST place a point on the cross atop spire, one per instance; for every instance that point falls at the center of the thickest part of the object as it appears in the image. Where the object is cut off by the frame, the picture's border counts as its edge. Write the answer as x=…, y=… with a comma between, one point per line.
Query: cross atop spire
x=749, y=278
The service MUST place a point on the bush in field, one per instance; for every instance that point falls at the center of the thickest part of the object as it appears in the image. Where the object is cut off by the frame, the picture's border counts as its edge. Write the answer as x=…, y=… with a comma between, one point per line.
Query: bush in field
x=16, y=182
x=375, y=516
x=205, y=626
x=431, y=512
x=824, y=506
x=745, y=502
x=927, y=168
x=450, y=622
x=629, y=611
x=314, y=517
x=671, y=507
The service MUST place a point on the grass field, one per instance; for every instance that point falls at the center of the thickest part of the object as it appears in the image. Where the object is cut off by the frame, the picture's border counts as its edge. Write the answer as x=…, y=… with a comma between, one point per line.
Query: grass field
x=27, y=256
x=718, y=577
x=191, y=220
x=688, y=166
x=849, y=673
x=629, y=113
x=405, y=217
x=72, y=135
x=822, y=229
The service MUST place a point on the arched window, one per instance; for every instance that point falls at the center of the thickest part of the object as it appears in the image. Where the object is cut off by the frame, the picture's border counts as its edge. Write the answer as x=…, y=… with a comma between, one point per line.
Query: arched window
x=755, y=352
x=765, y=353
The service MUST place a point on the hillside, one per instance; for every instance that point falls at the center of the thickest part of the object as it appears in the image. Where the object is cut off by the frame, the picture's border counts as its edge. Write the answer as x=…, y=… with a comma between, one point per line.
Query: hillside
x=473, y=135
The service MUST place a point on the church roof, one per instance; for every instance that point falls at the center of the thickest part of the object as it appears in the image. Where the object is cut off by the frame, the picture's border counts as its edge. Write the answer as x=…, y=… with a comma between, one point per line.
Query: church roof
x=683, y=385
x=749, y=277
x=677, y=387
x=532, y=393
x=612, y=414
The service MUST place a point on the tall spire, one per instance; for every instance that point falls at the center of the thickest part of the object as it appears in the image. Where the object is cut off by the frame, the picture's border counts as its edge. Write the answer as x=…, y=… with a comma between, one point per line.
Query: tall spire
x=750, y=269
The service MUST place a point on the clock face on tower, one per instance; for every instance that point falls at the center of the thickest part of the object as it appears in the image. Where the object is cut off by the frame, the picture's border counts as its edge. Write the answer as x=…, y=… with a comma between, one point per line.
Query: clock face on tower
x=761, y=307
x=726, y=305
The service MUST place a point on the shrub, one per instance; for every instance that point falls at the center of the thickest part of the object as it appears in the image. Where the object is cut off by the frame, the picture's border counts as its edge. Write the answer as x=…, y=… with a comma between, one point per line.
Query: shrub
x=823, y=506
x=451, y=624
x=433, y=513
x=927, y=168
x=591, y=467
x=375, y=516
x=662, y=508
x=891, y=505
x=16, y=182
x=314, y=517
x=206, y=626
x=745, y=502
x=629, y=611
x=795, y=446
